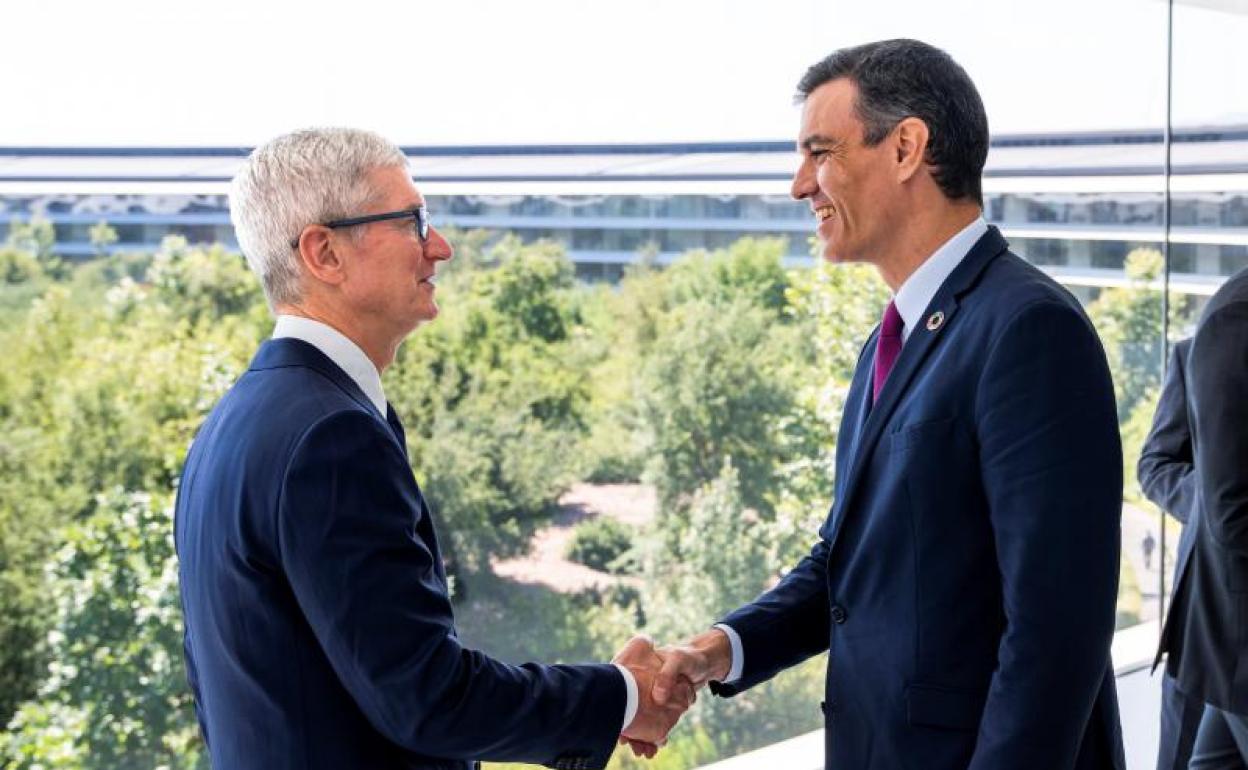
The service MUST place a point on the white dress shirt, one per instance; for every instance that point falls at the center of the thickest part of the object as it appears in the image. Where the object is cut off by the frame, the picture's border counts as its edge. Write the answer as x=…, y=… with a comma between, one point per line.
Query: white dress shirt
x=338, y=348
x=350, y=358
x=912, y=299
x=916, y=293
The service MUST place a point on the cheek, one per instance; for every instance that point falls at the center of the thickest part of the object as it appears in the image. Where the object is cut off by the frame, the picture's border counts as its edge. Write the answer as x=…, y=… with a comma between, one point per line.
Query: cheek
x=826, y=179
x=837, y=182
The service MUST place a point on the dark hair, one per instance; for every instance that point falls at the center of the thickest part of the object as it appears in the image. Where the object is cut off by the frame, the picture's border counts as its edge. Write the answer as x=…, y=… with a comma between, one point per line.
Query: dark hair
x=897, y=79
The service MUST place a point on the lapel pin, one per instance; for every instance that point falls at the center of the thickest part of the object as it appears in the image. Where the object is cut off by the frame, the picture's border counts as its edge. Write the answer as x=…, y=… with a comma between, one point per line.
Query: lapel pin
x=935, y=321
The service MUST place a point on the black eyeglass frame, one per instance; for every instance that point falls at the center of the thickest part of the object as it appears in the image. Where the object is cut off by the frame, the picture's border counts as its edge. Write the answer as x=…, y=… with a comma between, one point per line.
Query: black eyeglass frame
x=420, y=215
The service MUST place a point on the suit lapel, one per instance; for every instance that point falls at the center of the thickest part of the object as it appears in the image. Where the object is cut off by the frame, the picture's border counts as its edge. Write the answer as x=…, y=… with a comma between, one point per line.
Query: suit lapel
x=922, y=341
x=424, y=525
x=288, y=351
x=857, y=410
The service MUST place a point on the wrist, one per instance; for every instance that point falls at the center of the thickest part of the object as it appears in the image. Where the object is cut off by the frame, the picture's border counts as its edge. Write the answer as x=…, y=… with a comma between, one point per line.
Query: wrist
x=714, y=644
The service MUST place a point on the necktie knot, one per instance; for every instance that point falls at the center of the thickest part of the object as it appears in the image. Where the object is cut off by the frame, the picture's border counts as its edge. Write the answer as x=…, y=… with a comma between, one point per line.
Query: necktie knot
x=891, y=325
x=887, y=348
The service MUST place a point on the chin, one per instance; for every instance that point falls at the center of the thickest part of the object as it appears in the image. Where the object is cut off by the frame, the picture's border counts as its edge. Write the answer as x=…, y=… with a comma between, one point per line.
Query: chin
x=834, y=256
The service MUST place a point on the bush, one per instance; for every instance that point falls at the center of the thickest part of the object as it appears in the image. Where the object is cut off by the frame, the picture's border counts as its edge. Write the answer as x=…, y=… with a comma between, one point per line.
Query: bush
x=599, y=543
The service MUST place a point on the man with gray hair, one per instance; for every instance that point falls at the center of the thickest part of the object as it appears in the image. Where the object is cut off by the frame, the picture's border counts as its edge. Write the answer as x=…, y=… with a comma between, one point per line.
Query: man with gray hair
x=319, y=629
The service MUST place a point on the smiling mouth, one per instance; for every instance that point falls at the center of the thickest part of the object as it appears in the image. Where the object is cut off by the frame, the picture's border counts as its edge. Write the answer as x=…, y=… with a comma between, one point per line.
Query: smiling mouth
x=429, y=279
x=824, y=213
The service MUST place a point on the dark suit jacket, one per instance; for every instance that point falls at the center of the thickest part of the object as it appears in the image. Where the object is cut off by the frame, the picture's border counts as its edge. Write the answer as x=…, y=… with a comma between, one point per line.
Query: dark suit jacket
x=966, y=577
x=1165, y=468
x=1167, y=476
x=319, y=633
x=1206, y=632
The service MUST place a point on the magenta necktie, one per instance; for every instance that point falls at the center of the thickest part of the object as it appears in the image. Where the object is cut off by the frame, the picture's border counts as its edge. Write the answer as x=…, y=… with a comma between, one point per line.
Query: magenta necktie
x=887, y=348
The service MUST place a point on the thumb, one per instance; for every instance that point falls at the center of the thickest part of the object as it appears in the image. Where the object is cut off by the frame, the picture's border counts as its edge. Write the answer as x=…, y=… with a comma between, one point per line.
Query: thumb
x=665, y=680
x=641, y=644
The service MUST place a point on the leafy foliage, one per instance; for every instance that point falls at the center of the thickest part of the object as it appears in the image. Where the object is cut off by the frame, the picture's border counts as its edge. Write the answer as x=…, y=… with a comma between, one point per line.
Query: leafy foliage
x=599, y=543
x=115, y=694
x=720, y=379
x=1128, y=320
x=493, y=400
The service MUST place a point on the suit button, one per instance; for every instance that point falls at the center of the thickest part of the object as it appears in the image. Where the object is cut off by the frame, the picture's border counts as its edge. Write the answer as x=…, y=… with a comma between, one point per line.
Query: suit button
x=839, y=615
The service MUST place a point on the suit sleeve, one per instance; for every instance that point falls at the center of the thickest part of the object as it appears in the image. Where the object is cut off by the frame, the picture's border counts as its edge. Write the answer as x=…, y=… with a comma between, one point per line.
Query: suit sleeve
x=1219, y=384
x=369, y=588
x=784, y=626
x=1165, y=469
x=1051, y=463
x=192, y=678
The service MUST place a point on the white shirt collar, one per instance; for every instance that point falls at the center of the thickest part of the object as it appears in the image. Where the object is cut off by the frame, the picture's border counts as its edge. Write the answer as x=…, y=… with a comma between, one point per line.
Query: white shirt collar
x=340, y=349
x=916, y=293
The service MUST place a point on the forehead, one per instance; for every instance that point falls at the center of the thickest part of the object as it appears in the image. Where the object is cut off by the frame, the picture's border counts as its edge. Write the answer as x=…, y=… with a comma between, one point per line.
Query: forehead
x=829, y=112
x=393, y=185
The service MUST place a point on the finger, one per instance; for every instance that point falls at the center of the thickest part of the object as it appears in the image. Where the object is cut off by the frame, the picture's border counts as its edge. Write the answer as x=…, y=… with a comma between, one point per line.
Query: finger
x=684, y=693
x=665, y=680
x=642, y=748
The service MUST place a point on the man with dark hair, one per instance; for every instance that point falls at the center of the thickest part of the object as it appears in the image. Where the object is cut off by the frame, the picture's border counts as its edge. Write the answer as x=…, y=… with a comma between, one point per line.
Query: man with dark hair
x=964, y=582
x=1167, y=477
x=1204, y=634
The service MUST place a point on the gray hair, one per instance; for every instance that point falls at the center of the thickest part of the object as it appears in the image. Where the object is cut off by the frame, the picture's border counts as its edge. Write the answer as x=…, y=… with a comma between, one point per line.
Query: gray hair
x=298, y=179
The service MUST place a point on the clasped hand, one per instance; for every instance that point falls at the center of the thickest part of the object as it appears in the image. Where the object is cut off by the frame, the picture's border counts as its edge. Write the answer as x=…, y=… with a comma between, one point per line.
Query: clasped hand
x=668, y=679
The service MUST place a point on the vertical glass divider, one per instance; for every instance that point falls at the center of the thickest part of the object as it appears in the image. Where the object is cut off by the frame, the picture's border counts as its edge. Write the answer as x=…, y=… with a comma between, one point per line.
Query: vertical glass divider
x=1167, y=139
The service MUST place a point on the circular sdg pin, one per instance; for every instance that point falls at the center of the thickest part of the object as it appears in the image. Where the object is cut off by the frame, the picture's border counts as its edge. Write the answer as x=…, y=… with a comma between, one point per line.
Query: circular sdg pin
x=935, y=321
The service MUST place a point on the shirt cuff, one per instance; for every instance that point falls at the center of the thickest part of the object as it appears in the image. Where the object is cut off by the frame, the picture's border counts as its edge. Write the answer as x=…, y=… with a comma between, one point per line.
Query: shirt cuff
x=738, y=655
x=630, y=705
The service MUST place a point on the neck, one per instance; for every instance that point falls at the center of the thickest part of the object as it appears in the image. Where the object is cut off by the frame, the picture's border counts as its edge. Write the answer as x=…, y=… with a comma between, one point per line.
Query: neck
x=379, y=349
x=921, y=236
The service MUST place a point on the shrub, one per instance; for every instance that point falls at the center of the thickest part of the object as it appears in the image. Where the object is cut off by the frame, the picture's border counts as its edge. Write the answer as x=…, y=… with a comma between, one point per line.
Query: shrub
x=599, y=543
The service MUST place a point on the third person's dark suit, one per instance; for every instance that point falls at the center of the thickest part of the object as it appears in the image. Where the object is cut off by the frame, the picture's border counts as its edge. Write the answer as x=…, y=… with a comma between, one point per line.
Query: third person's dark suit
x=1206, y=632
x=1167, y=477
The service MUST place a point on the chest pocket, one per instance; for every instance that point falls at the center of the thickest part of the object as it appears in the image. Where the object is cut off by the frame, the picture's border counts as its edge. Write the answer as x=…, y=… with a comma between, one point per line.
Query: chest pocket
x=929, y=436
x=939, y=459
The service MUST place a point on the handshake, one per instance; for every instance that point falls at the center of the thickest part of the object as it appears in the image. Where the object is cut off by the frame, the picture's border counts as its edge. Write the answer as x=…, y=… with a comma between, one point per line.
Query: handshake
x=668, y=679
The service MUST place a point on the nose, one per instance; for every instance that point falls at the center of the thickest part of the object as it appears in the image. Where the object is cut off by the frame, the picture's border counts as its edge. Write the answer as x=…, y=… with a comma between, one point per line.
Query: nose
x=803, y=185
x=438, y=248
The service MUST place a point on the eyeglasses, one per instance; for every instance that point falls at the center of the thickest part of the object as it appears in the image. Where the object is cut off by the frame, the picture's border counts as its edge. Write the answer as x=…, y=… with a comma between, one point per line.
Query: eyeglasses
x=419, y=216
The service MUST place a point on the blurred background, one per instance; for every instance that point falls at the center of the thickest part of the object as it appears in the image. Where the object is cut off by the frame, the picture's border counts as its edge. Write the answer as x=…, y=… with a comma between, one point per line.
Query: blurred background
x=626, y=414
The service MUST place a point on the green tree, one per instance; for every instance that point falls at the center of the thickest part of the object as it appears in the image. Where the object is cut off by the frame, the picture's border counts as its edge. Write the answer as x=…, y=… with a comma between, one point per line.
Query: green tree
x=1128, y=320
x=37, y=237
x=102, y=236
x=18, y=266
x=96, y=394
x=493, y=397
x=115, y=694
x=711, y=390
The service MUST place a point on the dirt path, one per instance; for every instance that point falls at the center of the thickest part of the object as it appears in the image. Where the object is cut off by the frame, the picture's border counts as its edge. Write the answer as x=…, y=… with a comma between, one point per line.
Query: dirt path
x=545, y=564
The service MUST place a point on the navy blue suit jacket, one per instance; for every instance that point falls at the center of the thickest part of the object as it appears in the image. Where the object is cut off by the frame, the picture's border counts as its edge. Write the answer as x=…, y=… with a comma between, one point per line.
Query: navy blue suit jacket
x=965, y=580
x=319, y=632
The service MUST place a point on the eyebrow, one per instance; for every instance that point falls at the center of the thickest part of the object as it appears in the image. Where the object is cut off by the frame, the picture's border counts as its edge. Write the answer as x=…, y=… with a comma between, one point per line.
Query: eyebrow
x=810, y=141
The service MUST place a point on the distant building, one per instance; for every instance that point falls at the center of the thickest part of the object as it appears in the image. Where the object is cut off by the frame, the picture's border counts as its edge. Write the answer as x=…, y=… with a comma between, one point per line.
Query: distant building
x=1075, y=204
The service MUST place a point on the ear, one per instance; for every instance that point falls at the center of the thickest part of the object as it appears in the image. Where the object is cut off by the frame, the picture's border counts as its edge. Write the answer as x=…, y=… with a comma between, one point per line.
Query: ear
x=910, y=140
x=318, y=251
